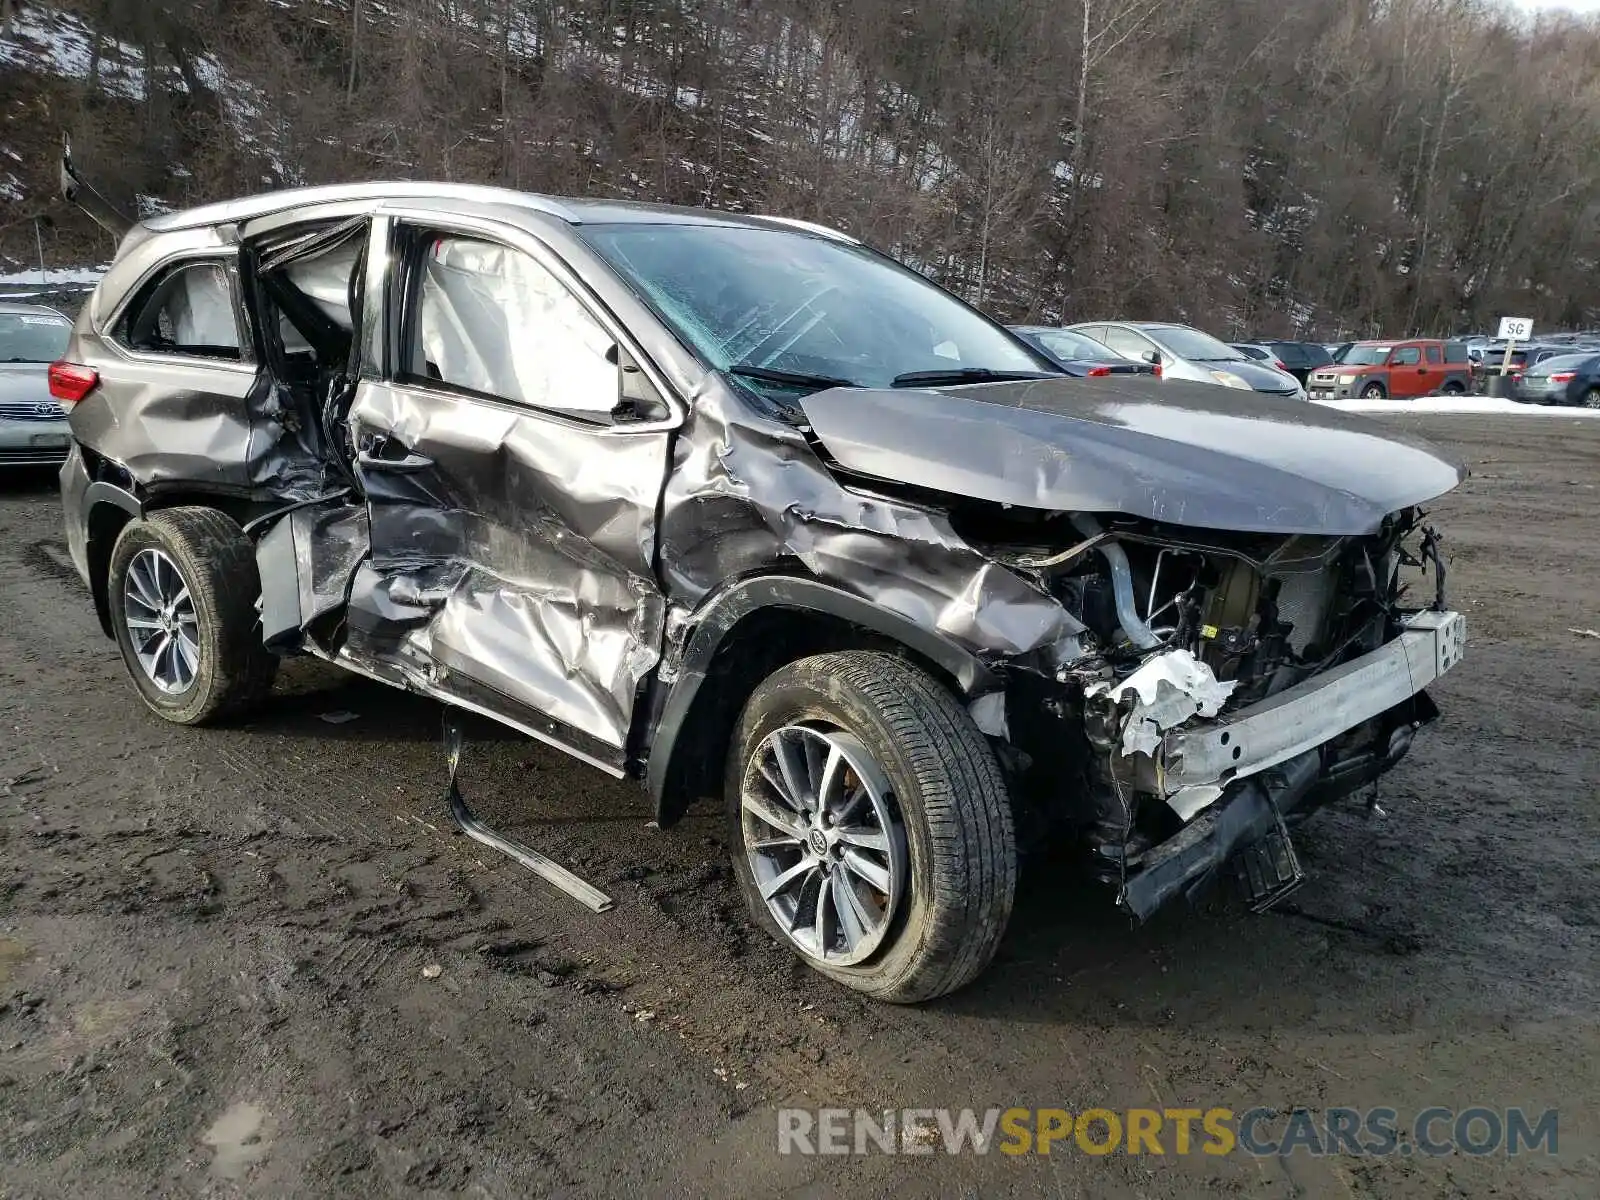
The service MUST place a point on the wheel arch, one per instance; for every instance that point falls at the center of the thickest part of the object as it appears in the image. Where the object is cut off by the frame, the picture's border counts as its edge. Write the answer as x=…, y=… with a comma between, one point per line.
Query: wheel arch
x=109, y=507
x=747, y=631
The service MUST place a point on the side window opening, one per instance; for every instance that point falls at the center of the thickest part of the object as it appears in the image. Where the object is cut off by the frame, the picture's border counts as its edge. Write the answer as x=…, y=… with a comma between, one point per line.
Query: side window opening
x=1408, y=356
x=190, y=310
x=493, y=321
x=1435, y=355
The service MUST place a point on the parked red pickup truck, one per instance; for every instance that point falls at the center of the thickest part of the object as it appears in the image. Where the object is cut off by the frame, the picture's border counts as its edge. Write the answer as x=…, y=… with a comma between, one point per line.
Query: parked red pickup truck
x=1380, y=370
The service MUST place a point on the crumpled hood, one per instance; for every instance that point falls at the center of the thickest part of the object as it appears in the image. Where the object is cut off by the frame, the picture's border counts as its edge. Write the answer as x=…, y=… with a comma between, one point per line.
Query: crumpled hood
x=1189, y=454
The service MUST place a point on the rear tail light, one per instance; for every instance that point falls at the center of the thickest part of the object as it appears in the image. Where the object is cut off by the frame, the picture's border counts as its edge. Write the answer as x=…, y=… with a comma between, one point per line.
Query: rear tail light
x=1563, y=377
x=1098, y=371
x=1282, y=366
x=70, y=383
x=1156, y=370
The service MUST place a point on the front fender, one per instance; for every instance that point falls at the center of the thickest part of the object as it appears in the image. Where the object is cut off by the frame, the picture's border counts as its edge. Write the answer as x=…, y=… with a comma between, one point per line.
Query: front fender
x=719, y=615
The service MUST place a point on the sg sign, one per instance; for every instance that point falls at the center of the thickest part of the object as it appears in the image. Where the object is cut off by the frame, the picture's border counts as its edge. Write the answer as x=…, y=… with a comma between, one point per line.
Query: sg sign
x=1516, y=329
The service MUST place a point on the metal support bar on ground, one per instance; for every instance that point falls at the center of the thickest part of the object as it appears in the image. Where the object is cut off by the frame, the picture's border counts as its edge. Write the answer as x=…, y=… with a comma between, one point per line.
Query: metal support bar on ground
x=547, y=869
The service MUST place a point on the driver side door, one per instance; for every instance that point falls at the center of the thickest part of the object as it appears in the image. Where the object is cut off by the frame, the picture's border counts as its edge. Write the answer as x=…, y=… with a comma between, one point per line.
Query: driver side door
x=512, y=495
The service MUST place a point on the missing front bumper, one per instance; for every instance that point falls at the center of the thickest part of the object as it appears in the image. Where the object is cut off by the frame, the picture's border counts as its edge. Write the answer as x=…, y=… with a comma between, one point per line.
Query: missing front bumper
x=1234, y=779
x=1199, y=760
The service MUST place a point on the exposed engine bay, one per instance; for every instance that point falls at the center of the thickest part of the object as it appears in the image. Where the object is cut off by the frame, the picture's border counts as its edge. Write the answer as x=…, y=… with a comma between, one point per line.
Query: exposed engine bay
x=1182, y=629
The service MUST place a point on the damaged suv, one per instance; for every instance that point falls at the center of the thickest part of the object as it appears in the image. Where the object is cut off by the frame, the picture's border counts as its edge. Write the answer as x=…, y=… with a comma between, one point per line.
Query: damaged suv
x=737, y=506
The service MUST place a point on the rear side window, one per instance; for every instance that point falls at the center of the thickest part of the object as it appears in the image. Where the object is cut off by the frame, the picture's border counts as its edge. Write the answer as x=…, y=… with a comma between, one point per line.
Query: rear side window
x=189, y=310
x=1455, y=352
x=494, y=321
x=1407, y=356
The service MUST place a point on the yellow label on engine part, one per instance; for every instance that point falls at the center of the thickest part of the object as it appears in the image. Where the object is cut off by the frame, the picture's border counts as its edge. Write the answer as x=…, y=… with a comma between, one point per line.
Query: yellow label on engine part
x=1209, y=631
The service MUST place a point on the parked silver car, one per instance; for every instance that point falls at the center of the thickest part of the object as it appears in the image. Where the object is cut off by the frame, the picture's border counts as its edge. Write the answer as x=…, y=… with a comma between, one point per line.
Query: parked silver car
x=33, y=427
x=1183, y=352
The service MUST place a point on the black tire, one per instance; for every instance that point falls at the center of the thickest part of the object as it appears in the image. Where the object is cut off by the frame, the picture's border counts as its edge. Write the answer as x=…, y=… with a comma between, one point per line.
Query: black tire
x=1454, y=388
x=951, y=799
x=218, y=566
x=1591, y=398
x=1374, y=391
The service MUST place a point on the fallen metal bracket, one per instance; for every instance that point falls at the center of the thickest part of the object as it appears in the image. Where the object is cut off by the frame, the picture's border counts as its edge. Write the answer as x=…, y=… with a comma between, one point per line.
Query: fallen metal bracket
x=547, y=869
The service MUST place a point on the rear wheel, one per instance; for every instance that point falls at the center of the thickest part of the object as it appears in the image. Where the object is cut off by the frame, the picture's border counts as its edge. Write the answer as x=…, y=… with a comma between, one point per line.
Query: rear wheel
x=1374, y=391
x=1591, y=398
x=869, y=825
x=182, y=589
x=1453, y=388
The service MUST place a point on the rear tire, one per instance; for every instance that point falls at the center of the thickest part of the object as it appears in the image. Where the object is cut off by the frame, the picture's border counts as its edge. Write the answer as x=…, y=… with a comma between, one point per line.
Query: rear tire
x=1374, y=391
x=948, y=868
x=1453, y=388
x=191, y=644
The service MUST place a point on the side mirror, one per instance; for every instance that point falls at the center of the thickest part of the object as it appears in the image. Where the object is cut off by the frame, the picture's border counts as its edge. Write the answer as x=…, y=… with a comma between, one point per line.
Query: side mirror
x=1153, y=357
x=637, y=397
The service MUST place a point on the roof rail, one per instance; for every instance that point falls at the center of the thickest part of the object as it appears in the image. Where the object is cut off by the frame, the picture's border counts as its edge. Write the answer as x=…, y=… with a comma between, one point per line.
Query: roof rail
x=248, y=208
x=812, y=227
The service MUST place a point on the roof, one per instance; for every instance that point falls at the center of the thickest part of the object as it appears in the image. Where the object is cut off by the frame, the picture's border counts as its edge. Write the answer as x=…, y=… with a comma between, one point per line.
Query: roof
x=17, y=308
x=572, y=210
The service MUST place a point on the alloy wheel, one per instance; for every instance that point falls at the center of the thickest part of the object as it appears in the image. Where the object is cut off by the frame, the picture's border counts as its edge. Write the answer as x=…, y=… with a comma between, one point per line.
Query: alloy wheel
x=162, y=625
x=824, y=841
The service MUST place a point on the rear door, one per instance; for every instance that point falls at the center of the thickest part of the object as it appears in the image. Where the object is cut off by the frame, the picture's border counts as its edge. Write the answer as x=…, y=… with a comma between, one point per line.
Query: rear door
x=512, y=499
x=1407, y=374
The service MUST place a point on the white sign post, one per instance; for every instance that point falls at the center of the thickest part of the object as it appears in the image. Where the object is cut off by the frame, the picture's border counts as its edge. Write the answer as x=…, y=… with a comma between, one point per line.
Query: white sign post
x=1512, y=331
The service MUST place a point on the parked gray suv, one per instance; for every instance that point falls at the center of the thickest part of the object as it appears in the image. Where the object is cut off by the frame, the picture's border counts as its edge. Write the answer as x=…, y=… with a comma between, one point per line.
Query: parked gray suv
x=736, y=506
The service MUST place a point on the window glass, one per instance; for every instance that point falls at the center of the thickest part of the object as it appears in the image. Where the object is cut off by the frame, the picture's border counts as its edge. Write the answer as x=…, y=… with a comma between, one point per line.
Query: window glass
x=33, y=337
x=493, y=320
x=1365, y=356
x=781, y=300
x=1127, y=343
x=1193, y=344
x=188, y=311
x=1066, y=344
x=1435, y=354
x=1406, y=356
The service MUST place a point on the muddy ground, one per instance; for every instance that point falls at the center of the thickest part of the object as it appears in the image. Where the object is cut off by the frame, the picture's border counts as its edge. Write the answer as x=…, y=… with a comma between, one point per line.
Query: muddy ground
x=213, y=943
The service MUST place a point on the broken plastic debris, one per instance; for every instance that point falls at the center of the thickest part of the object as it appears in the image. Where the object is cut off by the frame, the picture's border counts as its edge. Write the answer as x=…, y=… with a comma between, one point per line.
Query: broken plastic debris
x=432, y=971
x=1171, y=688
x=1594, y=633
x=340, y=717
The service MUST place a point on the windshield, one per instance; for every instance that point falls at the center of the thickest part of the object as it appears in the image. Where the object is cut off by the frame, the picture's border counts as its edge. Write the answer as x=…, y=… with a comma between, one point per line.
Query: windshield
x=32, y=337
x=1366, y=356
x=779, y=302
x=1191, y=343
x=1065, y=344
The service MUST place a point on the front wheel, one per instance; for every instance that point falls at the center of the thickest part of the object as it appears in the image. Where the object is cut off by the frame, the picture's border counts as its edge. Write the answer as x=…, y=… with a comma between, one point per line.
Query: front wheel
x=1591, y=398
x=1373, y=391
x=869, y=825
x=183, y=588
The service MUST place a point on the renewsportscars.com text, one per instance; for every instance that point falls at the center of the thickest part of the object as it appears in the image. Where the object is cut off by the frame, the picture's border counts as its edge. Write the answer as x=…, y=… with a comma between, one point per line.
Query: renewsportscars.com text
x=1434, y=1131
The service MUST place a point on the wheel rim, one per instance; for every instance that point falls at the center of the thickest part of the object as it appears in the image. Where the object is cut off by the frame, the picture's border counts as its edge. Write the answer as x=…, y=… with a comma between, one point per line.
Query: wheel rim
x=161, y=620
x=824, y=841
x=1592, y=399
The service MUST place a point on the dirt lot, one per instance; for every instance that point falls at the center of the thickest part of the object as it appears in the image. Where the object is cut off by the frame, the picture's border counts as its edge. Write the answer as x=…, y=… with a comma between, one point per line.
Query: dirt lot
x=212, y=944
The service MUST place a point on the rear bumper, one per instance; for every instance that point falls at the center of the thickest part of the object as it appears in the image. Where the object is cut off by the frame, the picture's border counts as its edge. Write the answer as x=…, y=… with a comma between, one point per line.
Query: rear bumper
x=1229, y=775
x=75, y=509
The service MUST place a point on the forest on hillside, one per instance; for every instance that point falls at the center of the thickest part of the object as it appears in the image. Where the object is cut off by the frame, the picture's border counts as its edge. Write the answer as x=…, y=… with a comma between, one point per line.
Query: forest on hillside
x=1254, y=166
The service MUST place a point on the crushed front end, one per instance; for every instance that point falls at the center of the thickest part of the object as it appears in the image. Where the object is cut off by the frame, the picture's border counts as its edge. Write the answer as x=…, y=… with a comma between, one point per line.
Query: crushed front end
x=1230, y=684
